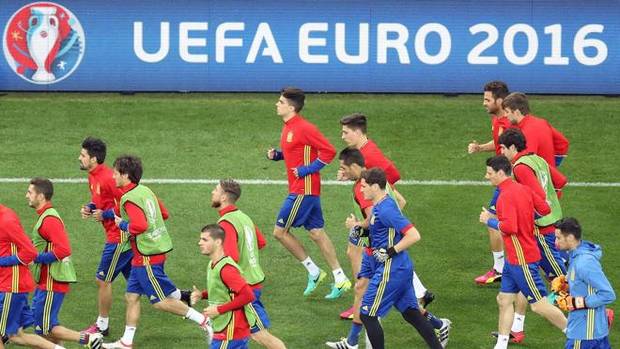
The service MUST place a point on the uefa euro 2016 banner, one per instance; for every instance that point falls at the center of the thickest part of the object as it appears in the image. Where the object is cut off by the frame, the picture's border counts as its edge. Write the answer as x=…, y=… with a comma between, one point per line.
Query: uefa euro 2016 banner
x=444, y=46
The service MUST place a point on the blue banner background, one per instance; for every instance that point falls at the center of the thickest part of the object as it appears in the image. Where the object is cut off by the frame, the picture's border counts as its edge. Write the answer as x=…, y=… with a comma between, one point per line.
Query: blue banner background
x=110, y=63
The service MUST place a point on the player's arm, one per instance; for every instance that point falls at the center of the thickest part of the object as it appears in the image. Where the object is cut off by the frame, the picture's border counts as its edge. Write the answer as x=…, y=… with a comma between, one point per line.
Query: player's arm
x=230, y=240
x=136, y=223
x=560, y=145
x=410, y=234
x=52, y=230
x=506, y=221
x=592, y=273
x=275, y=154
x=526, y=176
x=400, y=199
x=558, y=179
x=164, y=211
x=235, y=282
x=260, y=238
x=541, y=207
x=326, y=152
x=26, y=252
x=475, y=147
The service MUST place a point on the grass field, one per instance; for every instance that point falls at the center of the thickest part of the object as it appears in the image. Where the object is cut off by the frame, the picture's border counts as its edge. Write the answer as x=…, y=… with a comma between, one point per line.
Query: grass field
x=225, y=135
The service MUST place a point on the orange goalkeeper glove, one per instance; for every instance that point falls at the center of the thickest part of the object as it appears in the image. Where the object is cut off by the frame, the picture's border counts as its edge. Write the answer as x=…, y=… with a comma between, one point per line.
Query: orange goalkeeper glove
x=567, y=302
x=559, y=284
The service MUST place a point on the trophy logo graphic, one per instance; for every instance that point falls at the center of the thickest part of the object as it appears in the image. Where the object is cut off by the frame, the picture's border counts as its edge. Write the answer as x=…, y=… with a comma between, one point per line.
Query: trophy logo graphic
x=43, y=42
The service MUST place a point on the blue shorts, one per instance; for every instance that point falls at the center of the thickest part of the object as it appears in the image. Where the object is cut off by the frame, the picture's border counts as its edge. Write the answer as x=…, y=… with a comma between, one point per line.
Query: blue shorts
x=551, y=262
x=14, y=313
x=524, y=279
x=230, y=344
x=45, y=307
x=368, y=266
x=151, y=281
x=262, y=319
x=601, y=343
x=389, y=288
x=301, y=210
x=114, y=261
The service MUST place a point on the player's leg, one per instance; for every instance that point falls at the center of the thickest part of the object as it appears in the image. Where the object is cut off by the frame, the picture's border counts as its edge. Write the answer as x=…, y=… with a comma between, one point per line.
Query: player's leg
x=505, y=302
x=17, y=315
x=551, y=262
x=33, y=341
x=414, y=317
x=496, y=245
x=533, y=288
x=260, y=331
x=132, y=311
x=355, y=250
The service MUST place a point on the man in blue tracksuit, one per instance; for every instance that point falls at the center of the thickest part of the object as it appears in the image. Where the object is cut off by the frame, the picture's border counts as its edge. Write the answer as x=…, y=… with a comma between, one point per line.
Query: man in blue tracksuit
x=587, y=291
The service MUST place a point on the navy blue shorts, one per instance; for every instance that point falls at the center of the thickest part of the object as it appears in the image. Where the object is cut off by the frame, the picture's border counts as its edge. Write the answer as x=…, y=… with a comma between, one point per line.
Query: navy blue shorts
x=551, y=262
x=14, y=313
x=368, y=266
x=601, y=343
x=230, y=344
x=262, y=319
x=301, y=210
x=45, y=307
x=151, y=281
x=524, y=279
x=113, y=262
x=389, y=288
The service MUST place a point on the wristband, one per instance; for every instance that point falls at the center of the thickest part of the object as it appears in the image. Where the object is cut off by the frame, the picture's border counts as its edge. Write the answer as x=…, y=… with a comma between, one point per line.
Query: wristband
x=493, y=223
x=391, y=252
x=45, y=258
x=108, y=214
x=123, y=225
x=91, y=206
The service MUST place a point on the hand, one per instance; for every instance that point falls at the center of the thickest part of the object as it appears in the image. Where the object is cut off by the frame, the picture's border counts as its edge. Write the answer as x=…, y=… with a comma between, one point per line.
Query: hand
x=271, y=153
x=351, y=221
x=559, y=284
x=567, y=302
x=340, y=176
x=356, y=232
x=382, y=255
x=485, y=215
x=97, y=215
x=195, y=296
x=473, y=147
x=85, y=211
x=211, y=311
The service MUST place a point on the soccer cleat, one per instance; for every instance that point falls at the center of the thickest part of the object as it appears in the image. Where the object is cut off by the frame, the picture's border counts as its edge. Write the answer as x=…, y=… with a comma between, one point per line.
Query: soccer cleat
x=515, y=337
x=443, y=334
x=489, y=277
x=116, y=345
x=347, y=314
x=186, y=297
x=208, y=329
x=339, y=289
x=428, y=298
x=341, y=344
x=95, y=341
x=95, y=329
x=314, y=282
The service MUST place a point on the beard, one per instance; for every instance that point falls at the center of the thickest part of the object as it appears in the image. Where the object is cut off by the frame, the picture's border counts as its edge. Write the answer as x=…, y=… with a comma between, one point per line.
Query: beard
x=216, y=204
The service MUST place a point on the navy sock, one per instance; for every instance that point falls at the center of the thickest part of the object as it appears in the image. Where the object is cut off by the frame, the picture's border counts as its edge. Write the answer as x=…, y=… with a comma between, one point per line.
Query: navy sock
x=354, y=334
x=433, y=320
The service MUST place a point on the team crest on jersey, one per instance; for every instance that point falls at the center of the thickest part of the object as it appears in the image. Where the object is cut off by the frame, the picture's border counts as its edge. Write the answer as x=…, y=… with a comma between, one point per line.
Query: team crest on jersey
x=289, y=137
x=43, y=42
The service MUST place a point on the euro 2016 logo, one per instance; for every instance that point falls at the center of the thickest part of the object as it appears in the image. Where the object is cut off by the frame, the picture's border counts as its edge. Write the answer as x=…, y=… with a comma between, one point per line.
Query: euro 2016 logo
x=43, y=42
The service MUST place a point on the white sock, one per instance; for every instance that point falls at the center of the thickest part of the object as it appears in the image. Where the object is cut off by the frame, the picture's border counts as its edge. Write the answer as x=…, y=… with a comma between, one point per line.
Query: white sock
x=312, y=268
x=127, y=337
x=498, y=261
x=339, y=275
x=517, y=323
x=502, y=342
x=103, y=322
x=195, y=316
x=418, y=287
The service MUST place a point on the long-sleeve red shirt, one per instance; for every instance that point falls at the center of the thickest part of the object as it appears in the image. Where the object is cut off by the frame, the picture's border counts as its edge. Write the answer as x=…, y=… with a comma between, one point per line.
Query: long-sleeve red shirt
x=525, y=175
x=231, y=246
x=373, y=157
x=105, y=195
x=516, y=206
x=14, y=241
x=241, y=294
x=53, y=230
x=138, y=225
x=499, y=124
x=301, y=144
x=542, y=139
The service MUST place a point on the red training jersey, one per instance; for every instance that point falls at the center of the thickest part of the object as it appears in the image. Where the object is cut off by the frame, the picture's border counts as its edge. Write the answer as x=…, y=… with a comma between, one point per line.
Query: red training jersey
x=359, y=197
x=373, y=157
x=14, y=241
x=499, y=124
x=542, y=139
x=105, y=195
x=301, y=144
x=52, y=230
x=137, y=226
x=515, y=211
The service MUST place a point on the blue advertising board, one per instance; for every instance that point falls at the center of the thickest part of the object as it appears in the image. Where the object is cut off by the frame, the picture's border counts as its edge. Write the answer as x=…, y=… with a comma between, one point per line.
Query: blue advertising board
x=443, y=46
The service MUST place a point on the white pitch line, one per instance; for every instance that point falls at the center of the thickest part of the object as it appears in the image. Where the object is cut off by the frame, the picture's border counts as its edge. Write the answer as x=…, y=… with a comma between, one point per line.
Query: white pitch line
x=455, y=183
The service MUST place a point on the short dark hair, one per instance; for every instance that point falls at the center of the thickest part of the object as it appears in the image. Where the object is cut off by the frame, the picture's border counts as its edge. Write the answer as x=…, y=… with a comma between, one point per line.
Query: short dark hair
x=295, y=97
x=500, y=162
x=350, y=156
x=517, y=101
x=375, y=176
x=498, y=89
x=215, y=231
x=43, y=186
x=355, y=121
x=569, y=226
x=129, y=165
x=95, y=147
x=231, y=188
x=513, y=136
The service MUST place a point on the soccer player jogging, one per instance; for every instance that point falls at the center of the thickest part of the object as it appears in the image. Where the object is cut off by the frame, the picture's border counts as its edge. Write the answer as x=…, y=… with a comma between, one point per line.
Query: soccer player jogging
x=52, y=268
x=16, y=253
x=355, y=134
x=588, y=291
x=305, y=152
x=516, y=208
x=352, y=165
x=391, y=273
x=533, y=171
x=142, y=217
x=117, y=254
x=493, y=97
x=229, y=296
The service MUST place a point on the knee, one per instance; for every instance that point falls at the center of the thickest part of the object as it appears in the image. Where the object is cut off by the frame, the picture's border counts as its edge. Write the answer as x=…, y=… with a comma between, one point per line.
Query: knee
x=131, y=299
x=503, y=301
x=278, y=233
x=317, y=234
x=350, y=252
x=360, y=287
